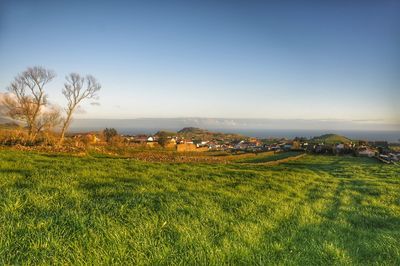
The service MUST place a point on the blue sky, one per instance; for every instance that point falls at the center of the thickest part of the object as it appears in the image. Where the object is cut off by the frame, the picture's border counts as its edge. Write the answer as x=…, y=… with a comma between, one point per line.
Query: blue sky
x=230, y=59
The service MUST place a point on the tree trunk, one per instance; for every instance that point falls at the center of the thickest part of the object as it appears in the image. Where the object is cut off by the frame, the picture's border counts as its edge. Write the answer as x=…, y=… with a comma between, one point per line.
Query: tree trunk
x=31, y=130
x=32, y=123
x=65, y=127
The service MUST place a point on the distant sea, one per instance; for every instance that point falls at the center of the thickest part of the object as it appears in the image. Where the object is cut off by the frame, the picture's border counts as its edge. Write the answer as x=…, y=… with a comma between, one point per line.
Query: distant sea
x=390, y=136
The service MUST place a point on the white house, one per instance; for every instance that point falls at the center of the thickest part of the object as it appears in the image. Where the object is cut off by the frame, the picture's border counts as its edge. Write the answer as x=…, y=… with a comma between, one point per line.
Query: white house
x=366, y=152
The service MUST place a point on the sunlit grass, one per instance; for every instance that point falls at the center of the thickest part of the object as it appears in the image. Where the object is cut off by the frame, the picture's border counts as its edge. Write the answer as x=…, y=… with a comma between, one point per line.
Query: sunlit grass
x=316, y=210
x=269, y=157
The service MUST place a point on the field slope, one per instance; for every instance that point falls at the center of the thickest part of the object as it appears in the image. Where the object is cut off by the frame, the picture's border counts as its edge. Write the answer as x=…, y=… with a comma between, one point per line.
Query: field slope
x=315, y=210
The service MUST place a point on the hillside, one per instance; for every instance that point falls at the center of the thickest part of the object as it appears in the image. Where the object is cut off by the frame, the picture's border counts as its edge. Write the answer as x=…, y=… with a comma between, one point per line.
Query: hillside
x=4, y=120
x=9, y=125
x=200, y=134
x=165, y=133
x=331, y=139
x=192, y=130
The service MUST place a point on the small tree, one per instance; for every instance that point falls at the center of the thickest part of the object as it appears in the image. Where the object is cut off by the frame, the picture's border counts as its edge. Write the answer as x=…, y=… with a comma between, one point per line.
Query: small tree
x=163, y=139
x=109, y=134
x=27, y=98
x=76, y=89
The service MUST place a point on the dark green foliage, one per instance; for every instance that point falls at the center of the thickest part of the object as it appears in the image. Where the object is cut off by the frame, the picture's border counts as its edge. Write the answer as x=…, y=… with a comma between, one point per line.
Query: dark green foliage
x=269, y=157
x=109, y=133
x=162, y=138
x=314, y=211
x=165, y=133
x=192, y=130
x=202, y=134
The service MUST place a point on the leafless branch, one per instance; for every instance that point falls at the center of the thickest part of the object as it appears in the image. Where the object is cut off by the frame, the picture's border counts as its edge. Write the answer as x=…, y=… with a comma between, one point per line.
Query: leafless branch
x=77, y=89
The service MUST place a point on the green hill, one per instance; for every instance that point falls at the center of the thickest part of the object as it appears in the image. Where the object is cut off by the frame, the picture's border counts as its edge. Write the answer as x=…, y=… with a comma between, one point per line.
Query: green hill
x=192, y=130
x=165, y=133
x=331, y=139
x=202, y=134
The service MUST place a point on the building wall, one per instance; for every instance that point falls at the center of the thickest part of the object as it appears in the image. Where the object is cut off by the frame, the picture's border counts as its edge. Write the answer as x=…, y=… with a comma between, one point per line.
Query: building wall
x=151, y=144
x=183, y=147
x=170, y=145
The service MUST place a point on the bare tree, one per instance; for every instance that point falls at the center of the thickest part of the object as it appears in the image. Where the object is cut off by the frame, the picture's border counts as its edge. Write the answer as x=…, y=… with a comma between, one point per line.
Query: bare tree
x=49, y=120
x=27, y=97
x=76, y=89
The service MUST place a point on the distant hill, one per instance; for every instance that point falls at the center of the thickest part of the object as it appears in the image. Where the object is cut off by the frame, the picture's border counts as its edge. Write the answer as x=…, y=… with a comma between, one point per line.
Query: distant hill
x=200, y=134
x=193, y=130
x=4, y=120
x=9, y=125
x=331, y=139
x=165, y=133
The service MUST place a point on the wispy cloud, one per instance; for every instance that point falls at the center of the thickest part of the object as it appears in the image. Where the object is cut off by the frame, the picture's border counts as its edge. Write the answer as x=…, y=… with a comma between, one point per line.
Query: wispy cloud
x=369, y=121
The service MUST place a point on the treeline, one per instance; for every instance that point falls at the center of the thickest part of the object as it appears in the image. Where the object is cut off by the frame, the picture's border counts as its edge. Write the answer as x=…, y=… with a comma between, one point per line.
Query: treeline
x=26, y=101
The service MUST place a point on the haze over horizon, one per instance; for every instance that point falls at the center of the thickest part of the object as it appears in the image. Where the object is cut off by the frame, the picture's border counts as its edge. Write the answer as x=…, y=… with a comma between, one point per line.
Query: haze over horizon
x=234, y=123
x=260, y=128
x=313, y=61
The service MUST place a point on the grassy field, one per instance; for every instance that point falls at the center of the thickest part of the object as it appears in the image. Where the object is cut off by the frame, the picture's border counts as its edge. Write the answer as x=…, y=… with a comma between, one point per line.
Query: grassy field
x=269, y=157
x=315, y=210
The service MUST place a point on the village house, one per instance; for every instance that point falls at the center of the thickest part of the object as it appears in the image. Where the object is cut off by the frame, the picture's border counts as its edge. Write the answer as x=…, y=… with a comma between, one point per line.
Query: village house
x=275, y=147
x=213, y=145
x=128, y=139
x=140, y=138
x=287, y=146
x=304, y=145
x=171, y=143
x=366, y=152
x=183, y=141
x=185, y=147
x=202, y=143
x=394, y=157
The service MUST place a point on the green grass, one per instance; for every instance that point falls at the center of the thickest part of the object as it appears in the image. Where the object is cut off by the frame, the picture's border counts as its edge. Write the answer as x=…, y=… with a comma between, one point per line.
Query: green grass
x=263, y=158
x=315, y=210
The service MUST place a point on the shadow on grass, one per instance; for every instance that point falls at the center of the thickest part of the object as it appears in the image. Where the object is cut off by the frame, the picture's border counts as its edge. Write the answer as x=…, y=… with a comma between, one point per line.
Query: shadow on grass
x=350, y=232
x=21, y=172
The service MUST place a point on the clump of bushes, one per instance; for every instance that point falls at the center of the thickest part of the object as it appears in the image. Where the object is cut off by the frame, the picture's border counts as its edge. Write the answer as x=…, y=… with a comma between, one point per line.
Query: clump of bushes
x=13, y=137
